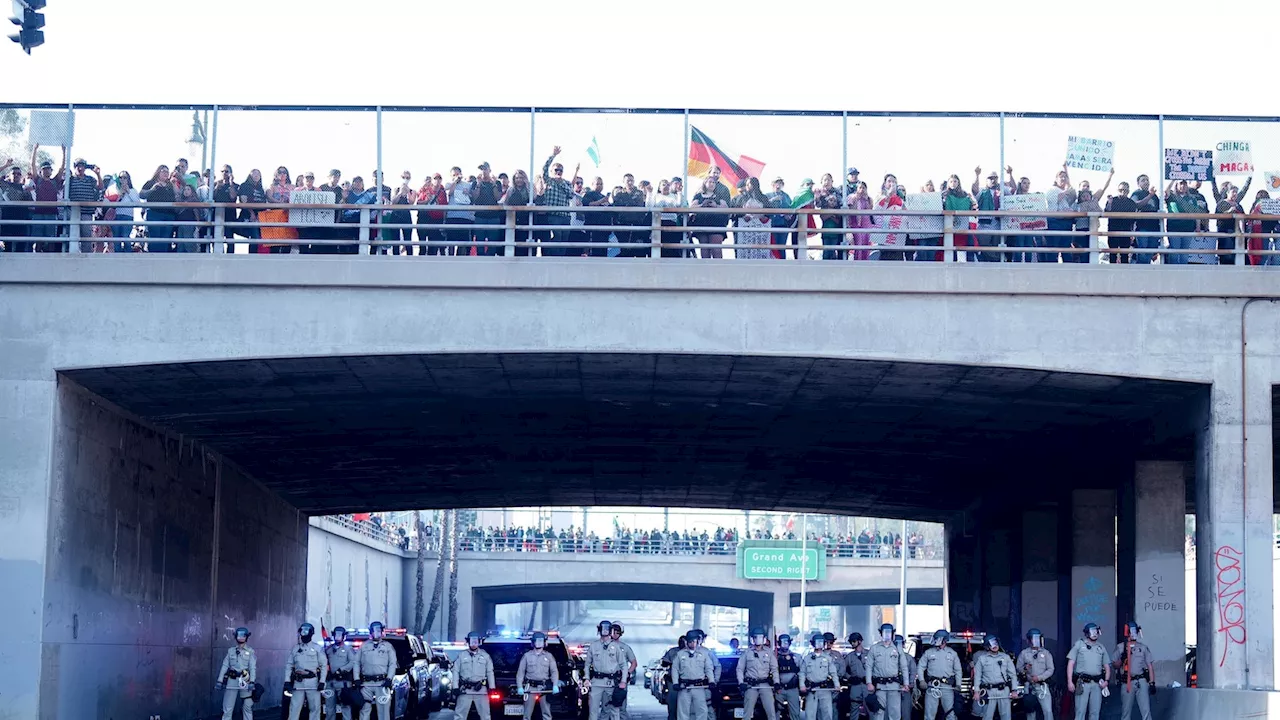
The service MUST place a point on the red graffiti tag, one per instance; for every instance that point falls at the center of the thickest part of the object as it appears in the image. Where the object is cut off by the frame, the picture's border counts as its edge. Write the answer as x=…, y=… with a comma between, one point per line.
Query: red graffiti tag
x=1230, y=597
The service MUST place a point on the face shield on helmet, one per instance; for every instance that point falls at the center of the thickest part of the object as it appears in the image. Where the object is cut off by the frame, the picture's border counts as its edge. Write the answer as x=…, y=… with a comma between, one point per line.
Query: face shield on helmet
x=1035, y=637
x=816, y=641
x=339, y=634
x=242, y=634
x=473, y=640
x=306, y=631
x=886, y=632
x=941, y=638
x=616, y=630
x=784, y=642
x=993, y=643
x=756, y=637
x=539, y=640
x=1092, y=631
x=605, y=629
x=692, y=639
x=1132, y=630
x=375, y=631
x=899, y=641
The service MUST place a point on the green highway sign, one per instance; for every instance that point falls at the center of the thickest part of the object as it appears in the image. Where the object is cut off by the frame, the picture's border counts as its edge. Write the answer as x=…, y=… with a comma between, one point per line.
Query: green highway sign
x=780, y=560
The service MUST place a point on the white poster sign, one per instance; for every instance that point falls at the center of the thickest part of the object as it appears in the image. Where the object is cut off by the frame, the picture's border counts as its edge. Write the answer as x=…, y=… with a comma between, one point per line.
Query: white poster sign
x=1017, y=203
x=1233, y=157
x=1090, y=153
x=1269, y=207
x=924, y=224
x=52, y=128
x=1271, y=179
x=308, y=216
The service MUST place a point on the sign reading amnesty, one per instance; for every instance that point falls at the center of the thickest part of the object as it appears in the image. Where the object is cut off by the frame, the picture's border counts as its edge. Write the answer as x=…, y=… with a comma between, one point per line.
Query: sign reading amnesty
x=780, y=560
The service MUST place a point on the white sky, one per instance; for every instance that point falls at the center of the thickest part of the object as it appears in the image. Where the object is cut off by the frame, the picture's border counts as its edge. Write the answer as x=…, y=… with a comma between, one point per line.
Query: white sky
x=909, y=55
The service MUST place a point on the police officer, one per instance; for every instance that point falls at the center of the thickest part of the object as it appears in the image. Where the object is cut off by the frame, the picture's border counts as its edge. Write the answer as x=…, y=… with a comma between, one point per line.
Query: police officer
x=632, y=663
x=692, y=675
x=1088, y=672
x=473, y=676
x=994, y=679
x=886, y=674
x=668, y=660
x=820, y=677
x=537, y=677
x=901, y=643
x=757, y=674
x=375, y=669
x=829, y=644
x=1134, y=668
x=939, y=677
x=1035, y=665
x=304, y=674
x=606, y=668
x=238, y=674
x=788, y=677
x=342, y=663
x=715, y=663
x=855, y=670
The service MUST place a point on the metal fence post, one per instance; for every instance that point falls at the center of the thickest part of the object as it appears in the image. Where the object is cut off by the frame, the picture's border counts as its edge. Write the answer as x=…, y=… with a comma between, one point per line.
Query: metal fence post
x=73, y=244
x=948, y=237
x=802, y=235
x=1095, y=243
x=219, y=230
x=655, y=234
x=509, y=236
x=1241, y=252
x=364, y=231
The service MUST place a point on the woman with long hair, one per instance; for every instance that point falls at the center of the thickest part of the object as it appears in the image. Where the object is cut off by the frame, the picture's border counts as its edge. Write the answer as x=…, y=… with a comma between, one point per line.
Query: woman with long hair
x=751, y=239
x=518, y=195
x=859, y=200
x=709, y=240
x=955, y=198
x=159, y=189
x=279, y=192
x=123, y=191
x=251, y=192
x=1263, y=226
x=890, y=199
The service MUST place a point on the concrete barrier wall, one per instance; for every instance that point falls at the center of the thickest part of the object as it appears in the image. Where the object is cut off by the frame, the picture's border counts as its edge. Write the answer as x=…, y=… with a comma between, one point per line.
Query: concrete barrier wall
x=353, y=580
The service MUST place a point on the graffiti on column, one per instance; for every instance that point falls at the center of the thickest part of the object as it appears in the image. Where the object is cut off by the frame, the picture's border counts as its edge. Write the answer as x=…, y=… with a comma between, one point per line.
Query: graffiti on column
x=386, y=594
x=1230, y=579
x=350, y=614
x=328, y=581
x=368, y=603
x=1089, y=606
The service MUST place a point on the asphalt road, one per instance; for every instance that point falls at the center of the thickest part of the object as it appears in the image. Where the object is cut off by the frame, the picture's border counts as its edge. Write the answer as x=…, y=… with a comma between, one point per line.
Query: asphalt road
x=648, y=640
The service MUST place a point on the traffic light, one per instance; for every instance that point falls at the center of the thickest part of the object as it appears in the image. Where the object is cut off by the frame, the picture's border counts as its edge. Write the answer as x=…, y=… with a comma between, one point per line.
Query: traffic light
x=29, y=22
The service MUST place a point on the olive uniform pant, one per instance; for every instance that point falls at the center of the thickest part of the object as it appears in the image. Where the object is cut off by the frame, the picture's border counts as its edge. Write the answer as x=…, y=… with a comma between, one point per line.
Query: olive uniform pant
x=229, y=696
x=1088, y=700
x=331, y=706
x=469, y=699
x=1141, y=693
x=693, y=703
x=890, y=696
x=818, y=705
x=763, y=693
x=944, y=697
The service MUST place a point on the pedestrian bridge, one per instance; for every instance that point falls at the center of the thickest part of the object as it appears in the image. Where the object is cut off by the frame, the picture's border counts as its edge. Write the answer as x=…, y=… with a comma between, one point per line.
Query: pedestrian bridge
x=170, y=422
x=343, y=565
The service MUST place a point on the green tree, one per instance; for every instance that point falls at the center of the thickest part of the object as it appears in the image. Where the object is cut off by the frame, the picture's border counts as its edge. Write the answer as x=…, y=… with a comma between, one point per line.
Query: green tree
x=13, y=138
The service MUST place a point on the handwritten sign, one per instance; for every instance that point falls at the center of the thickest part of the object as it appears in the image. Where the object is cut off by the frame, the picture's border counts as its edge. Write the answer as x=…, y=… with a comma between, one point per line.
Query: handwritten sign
x=1269, y=207
x=306, y=216
x=1090, y=153
x=52, y=128
x=1233, y=157
x=1014, y=203
x=924, y=224
x=1188, y=164
x=1271, y=180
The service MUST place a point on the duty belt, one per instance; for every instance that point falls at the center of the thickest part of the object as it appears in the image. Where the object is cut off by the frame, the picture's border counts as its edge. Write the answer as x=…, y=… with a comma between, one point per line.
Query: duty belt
x=340, y=674
x=694, y=683
x=372, y=678
x=791, y=684
x=303, y=675
x=884, y=680
x=995, y=686
x=237, y=673
x=757, y=681
x=1140, y=676
x=611, y=676
x=1082, y=677
x=544, y=684
x=472, y=684
x=825, y=684
x=949, y=680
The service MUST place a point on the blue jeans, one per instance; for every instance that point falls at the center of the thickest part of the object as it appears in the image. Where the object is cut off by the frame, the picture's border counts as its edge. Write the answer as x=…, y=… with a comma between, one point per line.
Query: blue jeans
x=186, y=232
x=1057, y=241
x=1178, y=243
x=1148, y=242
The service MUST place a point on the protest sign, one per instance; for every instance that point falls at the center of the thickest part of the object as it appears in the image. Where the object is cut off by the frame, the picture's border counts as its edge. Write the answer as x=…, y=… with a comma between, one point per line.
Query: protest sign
x=1269, y=207
x=1014, y=203
x=924, y=224
x=52, y=128
x=1233, y=157
x=307, y=216
x=1182, y=164
x=1201, y=243
x=1090, y=154
x=1271, y=180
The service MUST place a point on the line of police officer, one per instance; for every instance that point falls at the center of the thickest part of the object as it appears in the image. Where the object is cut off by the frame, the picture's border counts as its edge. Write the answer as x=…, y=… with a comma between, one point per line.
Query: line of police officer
x=888, y=675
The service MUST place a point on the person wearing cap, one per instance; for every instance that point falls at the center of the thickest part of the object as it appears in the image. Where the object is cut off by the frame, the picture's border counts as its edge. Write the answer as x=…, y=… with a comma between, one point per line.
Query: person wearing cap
x=486, y=191
x=47, y=188
x=850, y=181
x=83, y=188
x=13, y=190
x=779, y=198
x=632, y=662
x=559, y=193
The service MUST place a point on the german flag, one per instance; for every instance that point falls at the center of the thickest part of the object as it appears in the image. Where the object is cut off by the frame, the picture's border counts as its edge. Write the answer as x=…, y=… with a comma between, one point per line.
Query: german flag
x=703, y=154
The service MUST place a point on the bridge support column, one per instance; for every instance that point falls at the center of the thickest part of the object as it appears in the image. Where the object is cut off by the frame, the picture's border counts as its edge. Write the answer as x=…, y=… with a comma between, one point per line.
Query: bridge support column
x=1038, y=581
x=1093, y=564
x=857, y=618
x=699, y=617
x=1234, y=529
x=1151, y=582
x=998, y=611
x=961, y=591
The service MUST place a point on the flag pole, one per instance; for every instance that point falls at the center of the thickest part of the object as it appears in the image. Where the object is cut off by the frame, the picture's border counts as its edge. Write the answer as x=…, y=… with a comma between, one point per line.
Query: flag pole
x=684, y=161
x=804, y=571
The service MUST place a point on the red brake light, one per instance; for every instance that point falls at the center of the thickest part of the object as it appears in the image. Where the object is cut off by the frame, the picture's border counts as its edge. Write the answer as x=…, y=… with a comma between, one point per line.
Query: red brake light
x=495, y=696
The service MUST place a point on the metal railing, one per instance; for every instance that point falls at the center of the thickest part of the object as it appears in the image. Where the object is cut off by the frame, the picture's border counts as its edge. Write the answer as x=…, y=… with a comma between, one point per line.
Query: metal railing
x=640, y=546
x=526, y=231
x=370, y=530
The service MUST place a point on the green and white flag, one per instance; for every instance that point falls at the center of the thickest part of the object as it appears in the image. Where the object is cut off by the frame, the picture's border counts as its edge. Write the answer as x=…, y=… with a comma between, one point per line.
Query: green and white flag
x=593, y=151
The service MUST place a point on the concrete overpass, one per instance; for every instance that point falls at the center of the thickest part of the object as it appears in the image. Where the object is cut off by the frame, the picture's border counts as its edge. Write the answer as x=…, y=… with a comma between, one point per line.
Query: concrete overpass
x=170, y=422
x=352, y=579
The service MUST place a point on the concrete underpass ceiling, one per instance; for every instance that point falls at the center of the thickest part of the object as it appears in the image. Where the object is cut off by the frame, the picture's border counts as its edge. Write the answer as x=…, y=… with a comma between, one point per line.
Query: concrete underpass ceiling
x=341, y=434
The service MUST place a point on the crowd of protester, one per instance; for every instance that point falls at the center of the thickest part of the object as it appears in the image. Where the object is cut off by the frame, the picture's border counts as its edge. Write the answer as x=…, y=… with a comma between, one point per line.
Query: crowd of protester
x=756, y=233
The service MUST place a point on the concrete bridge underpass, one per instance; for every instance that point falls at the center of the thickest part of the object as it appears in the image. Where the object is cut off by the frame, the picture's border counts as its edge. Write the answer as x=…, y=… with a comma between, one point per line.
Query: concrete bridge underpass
x=159, y=460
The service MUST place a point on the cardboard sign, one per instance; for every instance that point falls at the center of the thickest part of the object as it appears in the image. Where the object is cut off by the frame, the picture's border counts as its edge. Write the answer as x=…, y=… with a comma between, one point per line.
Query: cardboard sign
x=891, y=222
x=1090, y=154
x=1233, y=157
x=1269, y=207
x=307, y=216
x=924, y=224
x=52, y=128
x=1182, y=164
x=1015, y=203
